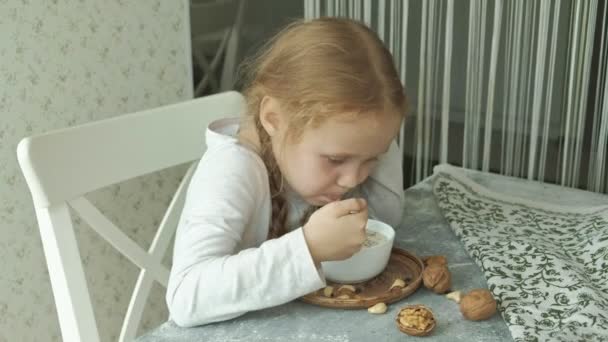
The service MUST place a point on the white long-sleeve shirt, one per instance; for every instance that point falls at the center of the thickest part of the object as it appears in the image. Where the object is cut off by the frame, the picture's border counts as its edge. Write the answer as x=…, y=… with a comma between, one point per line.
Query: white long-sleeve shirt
x=223, y=266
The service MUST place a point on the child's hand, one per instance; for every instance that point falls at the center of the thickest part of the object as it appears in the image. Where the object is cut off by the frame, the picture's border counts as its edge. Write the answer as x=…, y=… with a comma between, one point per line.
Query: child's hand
x=337, y=230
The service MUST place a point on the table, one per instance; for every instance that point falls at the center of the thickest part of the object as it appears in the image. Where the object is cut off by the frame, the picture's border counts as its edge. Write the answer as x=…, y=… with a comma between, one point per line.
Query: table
x=423, y=231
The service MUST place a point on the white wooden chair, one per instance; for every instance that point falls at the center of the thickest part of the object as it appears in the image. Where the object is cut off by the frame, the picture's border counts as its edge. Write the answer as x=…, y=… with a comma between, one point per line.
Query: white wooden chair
x=60, y=167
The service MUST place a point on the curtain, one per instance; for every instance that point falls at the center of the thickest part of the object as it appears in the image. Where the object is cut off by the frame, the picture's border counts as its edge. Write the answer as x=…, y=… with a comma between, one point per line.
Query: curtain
x=512, y=87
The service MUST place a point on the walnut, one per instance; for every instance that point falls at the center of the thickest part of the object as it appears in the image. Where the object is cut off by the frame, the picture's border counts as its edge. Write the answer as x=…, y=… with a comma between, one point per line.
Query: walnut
x=415, y=320
x=437, y=278
x=436, y=260
x=478, y=305
x=379, y=308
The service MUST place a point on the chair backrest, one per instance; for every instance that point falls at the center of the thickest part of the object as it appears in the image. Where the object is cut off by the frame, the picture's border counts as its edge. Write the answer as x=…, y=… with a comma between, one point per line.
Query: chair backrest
x=215, y=30
x=60, y=167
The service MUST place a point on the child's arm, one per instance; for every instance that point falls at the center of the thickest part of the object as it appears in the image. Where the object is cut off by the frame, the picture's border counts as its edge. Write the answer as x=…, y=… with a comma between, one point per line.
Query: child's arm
x=211, y=280
x=384, y=188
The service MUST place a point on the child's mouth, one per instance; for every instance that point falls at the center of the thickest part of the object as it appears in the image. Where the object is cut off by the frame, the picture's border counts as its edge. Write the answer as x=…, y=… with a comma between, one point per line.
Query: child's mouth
x=332, y=198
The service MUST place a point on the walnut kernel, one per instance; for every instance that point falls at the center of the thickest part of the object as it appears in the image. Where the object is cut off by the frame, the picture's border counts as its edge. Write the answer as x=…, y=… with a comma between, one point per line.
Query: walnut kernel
x=455, y=296
x=416, y=320
x=398, y=283
x=347, y=290
x=379, y=308
x=328, y=291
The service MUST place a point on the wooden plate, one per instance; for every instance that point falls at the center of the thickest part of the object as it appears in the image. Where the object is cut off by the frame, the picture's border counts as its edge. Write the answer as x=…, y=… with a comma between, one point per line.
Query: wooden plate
x=401, y=264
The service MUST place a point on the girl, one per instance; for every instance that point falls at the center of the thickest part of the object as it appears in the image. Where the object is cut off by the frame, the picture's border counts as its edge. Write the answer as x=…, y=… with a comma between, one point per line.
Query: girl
x=324, y=104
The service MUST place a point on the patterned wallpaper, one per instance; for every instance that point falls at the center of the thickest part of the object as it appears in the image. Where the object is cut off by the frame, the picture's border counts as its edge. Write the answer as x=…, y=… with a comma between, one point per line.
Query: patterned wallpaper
x=62, y=63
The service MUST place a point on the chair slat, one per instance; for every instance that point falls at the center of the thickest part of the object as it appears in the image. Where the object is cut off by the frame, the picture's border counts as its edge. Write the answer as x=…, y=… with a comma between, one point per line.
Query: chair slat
x=168, y=225
x=72, y=299
x=136, y=307
x=119, y=240
x=157, y=250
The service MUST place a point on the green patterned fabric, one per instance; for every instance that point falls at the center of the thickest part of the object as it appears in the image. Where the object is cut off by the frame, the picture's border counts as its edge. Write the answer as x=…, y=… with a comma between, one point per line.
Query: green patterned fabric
x=546, y=265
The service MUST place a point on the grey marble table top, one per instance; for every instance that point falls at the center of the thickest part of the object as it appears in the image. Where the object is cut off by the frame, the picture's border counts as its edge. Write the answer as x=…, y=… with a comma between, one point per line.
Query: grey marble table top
x=423, y=231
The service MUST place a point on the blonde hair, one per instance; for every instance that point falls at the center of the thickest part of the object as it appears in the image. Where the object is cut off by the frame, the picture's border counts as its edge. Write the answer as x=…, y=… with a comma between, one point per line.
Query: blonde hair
x=319, y=69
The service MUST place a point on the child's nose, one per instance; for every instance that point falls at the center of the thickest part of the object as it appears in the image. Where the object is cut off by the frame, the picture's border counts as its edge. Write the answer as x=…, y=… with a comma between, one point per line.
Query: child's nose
x=352, y=177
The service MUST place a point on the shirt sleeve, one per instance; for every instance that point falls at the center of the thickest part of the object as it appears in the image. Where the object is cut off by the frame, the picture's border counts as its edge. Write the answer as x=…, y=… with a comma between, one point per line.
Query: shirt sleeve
x=383, y=189
x=211, y=278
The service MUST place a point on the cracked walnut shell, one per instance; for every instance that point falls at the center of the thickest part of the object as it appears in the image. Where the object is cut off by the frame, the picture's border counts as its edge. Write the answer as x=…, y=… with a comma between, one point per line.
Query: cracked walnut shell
x=437, y=278
x=416, y=320
x=477, y=305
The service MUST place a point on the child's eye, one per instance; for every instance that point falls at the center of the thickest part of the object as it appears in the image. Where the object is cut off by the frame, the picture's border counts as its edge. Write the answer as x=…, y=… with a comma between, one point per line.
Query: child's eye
x=335, y=160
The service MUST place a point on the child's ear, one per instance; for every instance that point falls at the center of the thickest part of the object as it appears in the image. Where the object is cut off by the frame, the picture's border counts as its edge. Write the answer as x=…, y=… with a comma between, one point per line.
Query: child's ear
x=270, y=115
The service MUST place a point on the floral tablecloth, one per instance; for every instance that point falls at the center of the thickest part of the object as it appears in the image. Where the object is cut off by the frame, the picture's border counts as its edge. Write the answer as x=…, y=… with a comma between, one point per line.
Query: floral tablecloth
x=547, y=265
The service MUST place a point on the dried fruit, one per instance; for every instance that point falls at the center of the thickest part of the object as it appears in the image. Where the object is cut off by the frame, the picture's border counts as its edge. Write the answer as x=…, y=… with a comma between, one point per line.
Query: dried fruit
x=397, y=284
x=477, y=305
x=416, y=320
x=437, y=278
x=455, y=296
x=328, y=291
x=379, y=308
x=436, y=260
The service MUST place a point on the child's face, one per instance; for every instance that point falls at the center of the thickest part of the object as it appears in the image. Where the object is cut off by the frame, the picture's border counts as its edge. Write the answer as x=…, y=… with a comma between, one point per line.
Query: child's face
x=328, y=161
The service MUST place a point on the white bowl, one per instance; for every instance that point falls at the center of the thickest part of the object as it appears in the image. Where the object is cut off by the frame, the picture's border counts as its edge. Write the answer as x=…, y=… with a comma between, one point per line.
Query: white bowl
x=365, y=264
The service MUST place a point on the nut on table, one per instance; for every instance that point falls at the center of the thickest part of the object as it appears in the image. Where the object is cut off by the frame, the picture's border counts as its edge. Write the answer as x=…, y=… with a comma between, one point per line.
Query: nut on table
x=416, y=320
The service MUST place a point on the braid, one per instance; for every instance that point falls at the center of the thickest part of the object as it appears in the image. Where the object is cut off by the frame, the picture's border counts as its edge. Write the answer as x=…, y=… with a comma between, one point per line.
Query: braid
x=278, y=218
